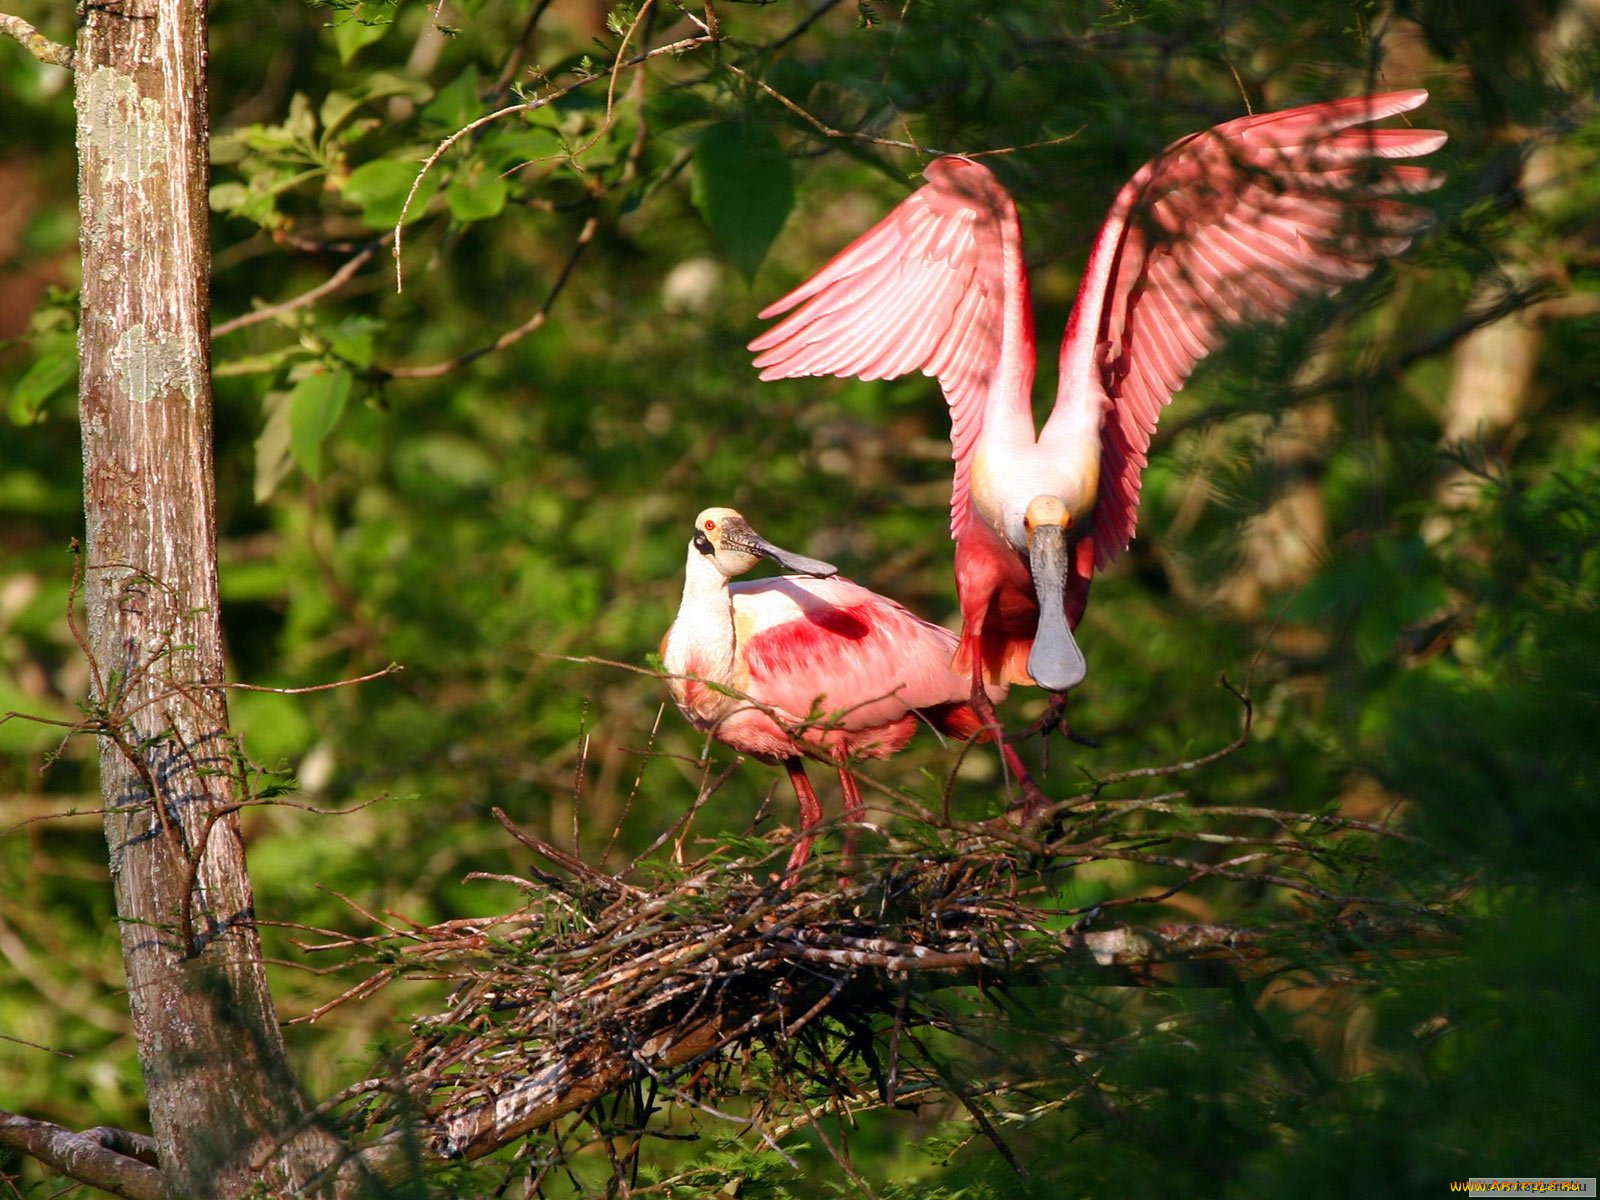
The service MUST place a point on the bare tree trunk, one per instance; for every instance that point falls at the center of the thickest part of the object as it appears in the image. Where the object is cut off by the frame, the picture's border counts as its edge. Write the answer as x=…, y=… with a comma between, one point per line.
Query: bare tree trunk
x=223, y=1101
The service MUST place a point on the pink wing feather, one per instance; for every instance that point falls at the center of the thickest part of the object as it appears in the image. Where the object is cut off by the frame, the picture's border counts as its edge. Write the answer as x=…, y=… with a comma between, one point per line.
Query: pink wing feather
x=1228, y=226
x=937, y=286
x=853, y=654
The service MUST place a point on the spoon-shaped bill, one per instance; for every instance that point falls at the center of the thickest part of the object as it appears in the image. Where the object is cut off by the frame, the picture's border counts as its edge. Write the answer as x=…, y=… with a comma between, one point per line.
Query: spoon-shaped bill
x=752, y=542
x=1055, y=662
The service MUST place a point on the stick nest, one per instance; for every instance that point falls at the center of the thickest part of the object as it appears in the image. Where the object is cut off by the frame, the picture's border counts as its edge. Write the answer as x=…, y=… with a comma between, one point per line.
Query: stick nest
x=599, y=986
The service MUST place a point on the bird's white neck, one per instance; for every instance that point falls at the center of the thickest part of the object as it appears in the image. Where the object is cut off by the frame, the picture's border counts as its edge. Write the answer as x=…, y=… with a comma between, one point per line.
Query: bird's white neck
x=703, y=640
x=1012, y=465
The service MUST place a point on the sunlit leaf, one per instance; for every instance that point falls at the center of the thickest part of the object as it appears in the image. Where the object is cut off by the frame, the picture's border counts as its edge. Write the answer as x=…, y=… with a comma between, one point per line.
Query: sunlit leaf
x=315, y=406
x=380, y=188
x=354, y=31
x=336, y=109
x=273, y=460
x=455, y=105
x=352, y=340
x=54, y=367
x=229, y=197
x=302, y=123
x=476, y=197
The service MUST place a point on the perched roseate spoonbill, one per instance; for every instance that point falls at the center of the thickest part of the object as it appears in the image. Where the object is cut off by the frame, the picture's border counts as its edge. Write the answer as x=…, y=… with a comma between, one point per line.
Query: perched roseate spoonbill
x=1224, y=227
x=810, y=662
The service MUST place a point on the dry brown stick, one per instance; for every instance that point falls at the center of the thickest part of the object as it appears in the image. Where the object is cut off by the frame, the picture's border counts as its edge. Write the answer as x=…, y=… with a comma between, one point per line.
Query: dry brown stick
x=633, y=792
x=811, y=18
x=514, y=59
x=570, y=1082
x=979, y=1117
x=841, y=1157
x=35, y=43
x=78, y=633
x=683, y=1097
x=872, y=139
x=84, y=1157
x=1161, y=804
x=1203, y=760
x=511, y=336
x=331, y=284
x=1229, y=870
x=571, y=862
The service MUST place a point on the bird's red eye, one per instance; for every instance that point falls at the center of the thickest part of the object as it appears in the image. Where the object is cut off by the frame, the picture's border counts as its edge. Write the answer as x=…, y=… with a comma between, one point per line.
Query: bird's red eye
x=710, y=525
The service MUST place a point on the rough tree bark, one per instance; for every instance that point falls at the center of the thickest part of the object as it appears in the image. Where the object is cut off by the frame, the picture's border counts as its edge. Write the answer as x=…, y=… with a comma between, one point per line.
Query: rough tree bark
x=223, y=1102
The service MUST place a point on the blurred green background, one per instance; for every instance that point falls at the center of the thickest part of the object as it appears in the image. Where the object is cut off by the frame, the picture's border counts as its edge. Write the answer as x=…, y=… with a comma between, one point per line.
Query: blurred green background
x=1384, y=516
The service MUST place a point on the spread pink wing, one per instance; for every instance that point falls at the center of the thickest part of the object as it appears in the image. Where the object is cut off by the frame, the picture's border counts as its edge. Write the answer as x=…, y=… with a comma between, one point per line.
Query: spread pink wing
x=1229, y=226
x=937, y=286
x=832, y=647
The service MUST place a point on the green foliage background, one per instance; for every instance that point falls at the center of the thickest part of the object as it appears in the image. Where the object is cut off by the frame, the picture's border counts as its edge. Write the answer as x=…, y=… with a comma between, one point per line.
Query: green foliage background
x=510, y=528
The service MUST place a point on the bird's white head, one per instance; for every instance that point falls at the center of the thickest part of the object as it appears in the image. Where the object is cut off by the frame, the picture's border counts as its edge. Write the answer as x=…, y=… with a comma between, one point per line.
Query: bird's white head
x=724, y=538
x=1046, y=512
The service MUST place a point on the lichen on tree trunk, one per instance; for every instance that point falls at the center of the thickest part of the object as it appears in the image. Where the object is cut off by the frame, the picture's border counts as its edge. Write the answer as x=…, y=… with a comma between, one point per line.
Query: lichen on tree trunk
x=223, y=1103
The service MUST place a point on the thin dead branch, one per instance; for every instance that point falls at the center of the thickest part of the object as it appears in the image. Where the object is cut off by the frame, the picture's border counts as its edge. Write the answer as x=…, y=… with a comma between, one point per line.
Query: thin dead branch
x=35, y=43
x=114, y=1161
x=511, y=336
x=329, y=285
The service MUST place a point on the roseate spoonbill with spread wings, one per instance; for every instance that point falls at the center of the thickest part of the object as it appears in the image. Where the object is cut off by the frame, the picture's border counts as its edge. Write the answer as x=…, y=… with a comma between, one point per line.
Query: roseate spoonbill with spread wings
x=809, y=662
x=1223, y=227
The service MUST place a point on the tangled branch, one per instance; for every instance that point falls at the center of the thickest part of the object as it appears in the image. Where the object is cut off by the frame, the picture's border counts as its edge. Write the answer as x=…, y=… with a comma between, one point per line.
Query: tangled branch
x=112, y=1160
x=598, y=984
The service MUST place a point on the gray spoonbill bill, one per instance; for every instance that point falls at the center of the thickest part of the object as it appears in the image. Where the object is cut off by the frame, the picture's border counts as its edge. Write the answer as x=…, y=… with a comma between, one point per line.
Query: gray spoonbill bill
x=1224, y=227
x=807, y=663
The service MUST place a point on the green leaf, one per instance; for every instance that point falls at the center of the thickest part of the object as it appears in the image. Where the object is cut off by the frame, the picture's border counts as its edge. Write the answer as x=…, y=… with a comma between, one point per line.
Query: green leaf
x=352, y=340
x=228, y=147
x=273, y=461
x=476, y=196
x=229, y=197
x=37, y=386
x=356, y=31
x=315, y=406
x=455, y=105
x=336, y=109
x=387, y=83
x=568, y=116
x=621, y=18
x=291, y=143
x=257, y=201
x=744, y=188
x=55, y=365
x=510, y=146
x=380, y=188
